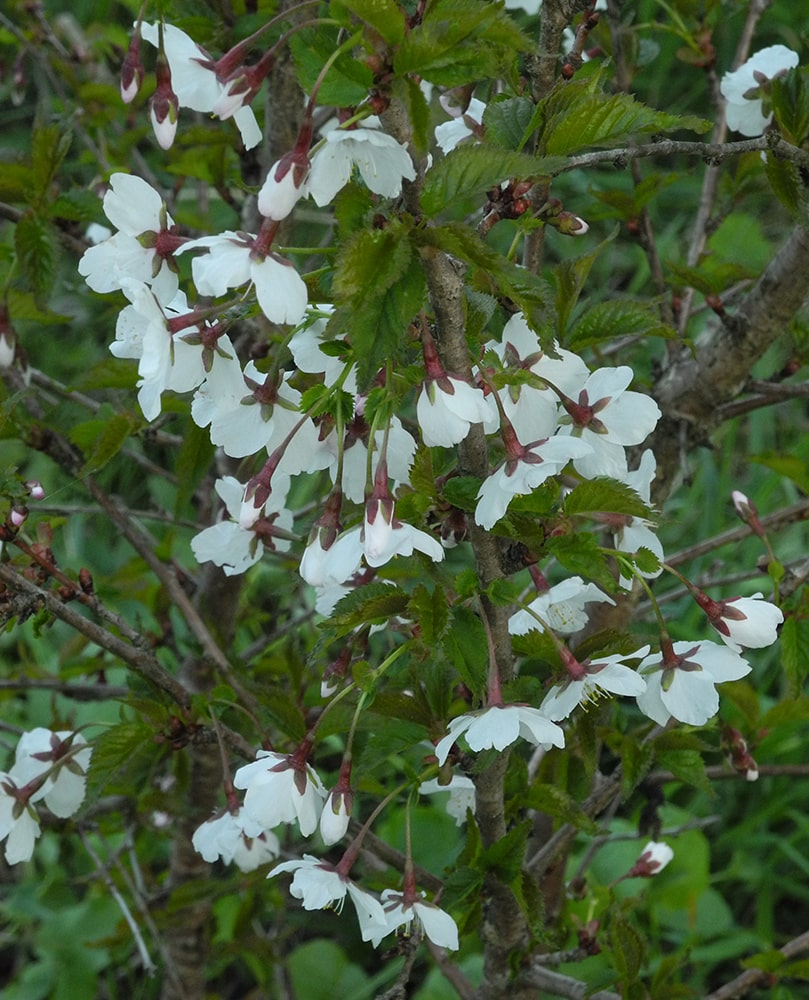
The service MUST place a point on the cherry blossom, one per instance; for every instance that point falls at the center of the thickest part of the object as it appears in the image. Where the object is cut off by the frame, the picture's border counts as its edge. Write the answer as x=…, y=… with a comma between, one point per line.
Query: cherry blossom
x=498, y=727
x=401, y=910
x=233, y=260
x=446, y=409
x=400, y=452
x=239, y=543
x=64, y=757
x=521, y=475
x=589, y=680
x=141, y=249
x=235, y=838
x=561, y=607
x=281, y=789
x=607, y=417
x=745, y=88
x=653, y=859
x=681, y=681
x=741, y=622
x=384, y=536
x=460, y=795
x=194, y=79
x=383, y=163
x=465, y=125
x=319, y=886
x=19, y=823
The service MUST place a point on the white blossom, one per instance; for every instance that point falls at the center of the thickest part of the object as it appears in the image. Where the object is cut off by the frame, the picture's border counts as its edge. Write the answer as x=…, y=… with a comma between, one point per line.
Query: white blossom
x=383, y=163
x=447, y=408
x=19, y=824
x=437, y=924
x=41, y=751
x=684, y=687
x=603, y=674
x=450, y=134
x=741, y=88
x=383, y=536
x=498, y=727
x=561, y=607
x=278, y=790
x=749, y=622
x=234, y=837
x=460, y=795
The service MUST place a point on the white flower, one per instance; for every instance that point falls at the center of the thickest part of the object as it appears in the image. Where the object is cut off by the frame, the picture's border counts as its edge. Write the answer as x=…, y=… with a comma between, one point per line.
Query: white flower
x=281, y=789
x=19, y=825
x=193, y=78
x=336, y=815
x=283, y=187
x=231, y=263
x=460, y=795
x=682, y=685
x=136, y=210
x=634, y=533
x=449, y=134
x=540, y=460
x=561, y=607
x=382, y=162
x=305, y=347
x=319, y=886
x=384, y=537
x=234, y=837
x=606, y=673
x=447, y=408
x=321, y=567
x=401, y=450
x=498, y=727
x=748, y=622
x=239, y=543
x=438, y=926
x=653, y=859
x=40, y=751
x=741, y=88
x=607, y=417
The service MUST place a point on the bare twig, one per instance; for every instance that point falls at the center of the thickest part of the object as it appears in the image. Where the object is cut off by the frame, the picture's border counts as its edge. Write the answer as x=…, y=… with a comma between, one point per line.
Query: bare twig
x=539, y=978
x=751, y=978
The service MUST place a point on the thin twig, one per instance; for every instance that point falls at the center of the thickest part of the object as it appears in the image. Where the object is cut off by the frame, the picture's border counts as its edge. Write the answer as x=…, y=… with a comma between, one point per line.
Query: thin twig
x=751, y=978
x=540, y=978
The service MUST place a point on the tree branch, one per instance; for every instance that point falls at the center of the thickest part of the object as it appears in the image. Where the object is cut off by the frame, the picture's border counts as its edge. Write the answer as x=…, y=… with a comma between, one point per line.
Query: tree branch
x=751, y=978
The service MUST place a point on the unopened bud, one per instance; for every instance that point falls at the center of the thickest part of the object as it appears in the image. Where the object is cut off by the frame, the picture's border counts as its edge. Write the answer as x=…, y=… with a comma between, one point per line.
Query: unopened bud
x=17, y=516
x=653, y=859
x=747, y=512
x=86, y=581
x=35, y=489
x=132, y=71
x=571, y=225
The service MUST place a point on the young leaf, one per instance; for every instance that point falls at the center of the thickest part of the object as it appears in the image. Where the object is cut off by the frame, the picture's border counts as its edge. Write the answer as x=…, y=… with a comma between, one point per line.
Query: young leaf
x=606, y=496
x=428, y=608
x=617, y=318
x=371, y=604
x=384, y=16
x=465, y=645
x=506, y=121
x=35, y=243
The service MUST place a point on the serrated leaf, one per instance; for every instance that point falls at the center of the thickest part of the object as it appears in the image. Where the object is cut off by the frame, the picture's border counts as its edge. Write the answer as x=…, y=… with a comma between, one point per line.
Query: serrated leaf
x=459, y=41
x=687, y=765
x=570, y=277
x=636, y=758
x=789, y=95
x=113, y=752
x=785, y=181
x=371, y=604
x=384, y=16
x=505, y=857
x=628, y=950
x=712, y=275
x=460, y=885
x=49, y=146
x=462, y=492
x=506, y=121
x=795, y=652
x=35, y=242
x=417, y=109
x=604, y=496
x=284, y=711
x=101, y=440
x=767, y=961
x=348, y=80
x=22, y=308
x=581, y=555
x=617, y=318
x=556, y=802
x=576, y=115
x=430, y=612
x=193, y=460
x=466, y=647
x=470, y=169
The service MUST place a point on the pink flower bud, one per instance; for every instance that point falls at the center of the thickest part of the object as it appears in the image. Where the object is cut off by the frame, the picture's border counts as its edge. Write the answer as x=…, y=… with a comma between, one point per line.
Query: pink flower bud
x=132, y=71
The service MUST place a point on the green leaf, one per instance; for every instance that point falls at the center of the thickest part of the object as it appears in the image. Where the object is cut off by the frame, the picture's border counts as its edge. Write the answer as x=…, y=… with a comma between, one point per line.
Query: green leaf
x=556, y=802
x=459, y=41
x=193, y=460
x=767, y=961
x=384, y=16
x=791, y=466
x=470, y=169
x=284, y=711
x=789, y=95
x=462, y=492
x=373, y=604
x=795, y=652
x=466, y=647
x=636, y=758
x=460, y=885
x=430, y=612
x=604, y=496
x=506, y=121
x=628, y=950
x=348, y=80
x=417, y=109
x=101, y=440
x=49, y=146
x=786, y=183
x=687, y=765
x=505, y=857
x=113, y=753
x=712, y=275
x=581, y=555
x=35, y=242
x=576, y=115
x=617, y=318
x=570, y=277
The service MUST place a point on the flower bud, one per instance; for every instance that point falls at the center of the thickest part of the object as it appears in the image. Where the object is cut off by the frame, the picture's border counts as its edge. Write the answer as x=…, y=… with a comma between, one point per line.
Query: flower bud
x=653, y=859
